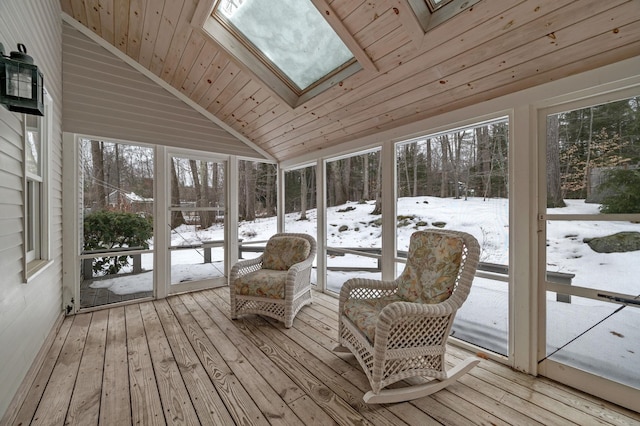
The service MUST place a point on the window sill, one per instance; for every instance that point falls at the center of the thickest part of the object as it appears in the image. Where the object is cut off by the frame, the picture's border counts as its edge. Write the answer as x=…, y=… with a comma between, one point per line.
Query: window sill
x=35, y=268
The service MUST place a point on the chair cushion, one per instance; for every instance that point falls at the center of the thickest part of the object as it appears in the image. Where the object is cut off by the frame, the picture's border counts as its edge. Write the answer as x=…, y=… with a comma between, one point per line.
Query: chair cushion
x=282, y=252
x=364, y=313
x=432, y=267
x=262, y=283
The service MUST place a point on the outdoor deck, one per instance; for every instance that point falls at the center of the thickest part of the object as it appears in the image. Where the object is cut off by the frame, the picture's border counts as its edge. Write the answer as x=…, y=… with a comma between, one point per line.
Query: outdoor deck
x=183, y=361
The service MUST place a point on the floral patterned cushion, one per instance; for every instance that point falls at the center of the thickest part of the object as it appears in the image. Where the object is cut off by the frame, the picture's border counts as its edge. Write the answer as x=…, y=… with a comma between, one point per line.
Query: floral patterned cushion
x=364, y=313
x=262, y=283
x=282, y=252
x=432, y=267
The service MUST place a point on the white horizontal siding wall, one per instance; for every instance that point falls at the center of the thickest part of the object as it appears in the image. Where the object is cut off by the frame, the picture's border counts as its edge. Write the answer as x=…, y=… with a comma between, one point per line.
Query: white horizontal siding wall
x=106, y=97
x=28, y=311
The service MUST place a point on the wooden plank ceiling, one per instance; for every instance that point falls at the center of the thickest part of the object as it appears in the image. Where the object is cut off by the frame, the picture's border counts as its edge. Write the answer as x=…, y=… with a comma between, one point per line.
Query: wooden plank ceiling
x=491, y=49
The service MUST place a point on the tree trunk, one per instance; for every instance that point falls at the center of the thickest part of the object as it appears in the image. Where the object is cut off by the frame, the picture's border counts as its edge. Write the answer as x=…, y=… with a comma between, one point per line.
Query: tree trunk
x=177, y=218
x=303, y=194
x=484, y=155
x=99, y=185
x=338, y=194
x=429, y=173
x=270, y=206
x=415, y=169
x=365, y=178
x=250, y=190
x=587, y=165
x=345, y=181
x=205, y=217
x=554, y=178
x=407, y=154
x=444, y=145
x=378, y=207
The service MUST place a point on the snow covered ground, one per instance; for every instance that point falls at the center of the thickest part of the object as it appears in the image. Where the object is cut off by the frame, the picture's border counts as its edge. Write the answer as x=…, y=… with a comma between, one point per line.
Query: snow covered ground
x=483, y=320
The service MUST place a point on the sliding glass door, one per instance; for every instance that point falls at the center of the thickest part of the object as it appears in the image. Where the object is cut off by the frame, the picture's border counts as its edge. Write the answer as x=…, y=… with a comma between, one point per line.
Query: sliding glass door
x=590, y=247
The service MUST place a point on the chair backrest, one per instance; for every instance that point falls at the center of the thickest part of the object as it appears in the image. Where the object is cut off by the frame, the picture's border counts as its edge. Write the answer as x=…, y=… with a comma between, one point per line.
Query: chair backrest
x=434, y=265
x=283, y=251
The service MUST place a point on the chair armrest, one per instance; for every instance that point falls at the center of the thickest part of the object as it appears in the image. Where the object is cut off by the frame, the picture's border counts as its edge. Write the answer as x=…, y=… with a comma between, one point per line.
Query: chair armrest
x=365, y=288
x=401, y=310
x=244, y=267
x=425, y=319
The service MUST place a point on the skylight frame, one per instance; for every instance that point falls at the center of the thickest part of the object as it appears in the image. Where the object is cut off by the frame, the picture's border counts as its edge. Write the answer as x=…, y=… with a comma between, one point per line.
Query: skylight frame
x=341, y=71
x=434, y=5
x=432, y=13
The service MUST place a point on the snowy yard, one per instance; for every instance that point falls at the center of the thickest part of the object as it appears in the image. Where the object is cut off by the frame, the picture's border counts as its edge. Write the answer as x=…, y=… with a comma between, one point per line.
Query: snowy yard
x=483, y=319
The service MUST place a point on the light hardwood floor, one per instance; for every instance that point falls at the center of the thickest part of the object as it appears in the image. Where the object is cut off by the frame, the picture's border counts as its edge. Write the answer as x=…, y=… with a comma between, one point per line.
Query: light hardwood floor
x=182, y=360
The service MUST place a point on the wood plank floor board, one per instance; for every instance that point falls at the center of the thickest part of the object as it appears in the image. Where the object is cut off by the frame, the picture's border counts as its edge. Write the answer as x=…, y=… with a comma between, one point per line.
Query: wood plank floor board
x=182, y=360
x=53, y=407
x=30, y=405
x=521, y=398
x=85, y=402
x=146, y=407
x=176, y=401
x=115, y=403
x=216, y=360
x=345, y=389
x=338, y=402
x=209, y=406
x=270, y=394
x=278, y=379
x=559, y=398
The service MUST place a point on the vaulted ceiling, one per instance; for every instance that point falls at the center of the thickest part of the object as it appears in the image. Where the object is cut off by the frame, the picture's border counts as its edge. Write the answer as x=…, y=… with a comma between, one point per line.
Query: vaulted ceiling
x=490, y=49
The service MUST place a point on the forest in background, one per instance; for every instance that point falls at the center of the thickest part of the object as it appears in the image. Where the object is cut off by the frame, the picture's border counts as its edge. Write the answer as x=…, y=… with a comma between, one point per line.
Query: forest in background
x=466, y=162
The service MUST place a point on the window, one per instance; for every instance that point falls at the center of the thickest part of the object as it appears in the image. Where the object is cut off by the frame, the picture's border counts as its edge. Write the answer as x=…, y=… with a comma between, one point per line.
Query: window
x=433, y=5
x=295, y=48
x=36, y=220
x=431, y=13
x=291, y=37
x=458, y=179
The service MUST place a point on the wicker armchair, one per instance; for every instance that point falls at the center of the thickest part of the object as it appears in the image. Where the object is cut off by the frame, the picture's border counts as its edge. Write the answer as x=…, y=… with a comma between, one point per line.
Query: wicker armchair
x=399, y=329
x=276, y=284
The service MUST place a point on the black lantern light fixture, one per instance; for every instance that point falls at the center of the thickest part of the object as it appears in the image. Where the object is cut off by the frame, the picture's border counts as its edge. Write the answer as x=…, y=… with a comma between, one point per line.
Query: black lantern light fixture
x=21, y=83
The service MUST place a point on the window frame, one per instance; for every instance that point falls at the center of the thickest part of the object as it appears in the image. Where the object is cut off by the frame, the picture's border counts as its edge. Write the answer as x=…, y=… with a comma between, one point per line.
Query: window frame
x=36, y=196
x=272, y=64
x=430, y=15
x=249, y=62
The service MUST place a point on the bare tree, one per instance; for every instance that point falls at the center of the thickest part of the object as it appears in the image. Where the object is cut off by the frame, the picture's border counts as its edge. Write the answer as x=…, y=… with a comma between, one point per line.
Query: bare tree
x=99, y=184
x=250, y=190
x=365, y=177
x=177, y=218
x=554, y=178
x=444, y=145
x=378, y=207
x=303, y=194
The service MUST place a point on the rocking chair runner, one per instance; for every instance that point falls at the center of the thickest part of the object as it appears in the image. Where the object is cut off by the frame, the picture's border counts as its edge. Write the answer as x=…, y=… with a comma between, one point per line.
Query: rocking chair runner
x=399, y=329
x=277, y=283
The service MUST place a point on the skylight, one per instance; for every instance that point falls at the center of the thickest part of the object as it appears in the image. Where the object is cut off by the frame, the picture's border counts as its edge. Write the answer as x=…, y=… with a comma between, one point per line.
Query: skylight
x=290, y=36
x=436, y=4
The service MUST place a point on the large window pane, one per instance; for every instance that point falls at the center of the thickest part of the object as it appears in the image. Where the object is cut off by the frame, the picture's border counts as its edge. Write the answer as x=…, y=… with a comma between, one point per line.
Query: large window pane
x=117, y=211
x=196, y=219
x=458, y=180
x=593, y=239
x=301, y=213
x=354, y=218
x=257, y=199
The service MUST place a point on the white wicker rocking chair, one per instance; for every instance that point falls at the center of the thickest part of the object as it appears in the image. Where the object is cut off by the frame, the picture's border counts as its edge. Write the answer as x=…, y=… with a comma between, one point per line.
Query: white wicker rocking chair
x=399, y=329
x=277, y=283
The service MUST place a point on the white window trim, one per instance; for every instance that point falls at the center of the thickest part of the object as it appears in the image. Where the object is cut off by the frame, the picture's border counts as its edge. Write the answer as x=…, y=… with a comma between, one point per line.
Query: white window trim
x=37, y=260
